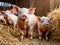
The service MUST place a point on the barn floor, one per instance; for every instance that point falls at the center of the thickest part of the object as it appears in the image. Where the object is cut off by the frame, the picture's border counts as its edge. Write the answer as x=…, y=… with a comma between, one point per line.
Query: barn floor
x=37, y=42
x=33, y=42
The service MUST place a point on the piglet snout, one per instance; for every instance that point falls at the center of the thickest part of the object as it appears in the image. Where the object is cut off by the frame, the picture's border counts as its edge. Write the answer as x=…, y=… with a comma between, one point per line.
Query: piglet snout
x=46, y=25
x=24, y=17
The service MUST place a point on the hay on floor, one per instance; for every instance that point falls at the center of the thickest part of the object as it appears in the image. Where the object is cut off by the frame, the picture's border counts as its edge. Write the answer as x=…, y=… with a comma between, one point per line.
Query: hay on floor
x=7, y=36
x=55, y=26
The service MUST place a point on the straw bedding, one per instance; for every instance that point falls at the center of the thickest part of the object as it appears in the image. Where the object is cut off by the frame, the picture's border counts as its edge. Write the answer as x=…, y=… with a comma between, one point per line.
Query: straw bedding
x=55, y=26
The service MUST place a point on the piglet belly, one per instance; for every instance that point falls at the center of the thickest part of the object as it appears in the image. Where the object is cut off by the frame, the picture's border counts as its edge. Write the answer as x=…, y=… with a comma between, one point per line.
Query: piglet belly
x=21, y=24
x=43, y=30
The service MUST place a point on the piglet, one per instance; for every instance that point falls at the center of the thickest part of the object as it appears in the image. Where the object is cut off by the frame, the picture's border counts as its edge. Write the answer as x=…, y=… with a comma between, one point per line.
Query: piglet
x=12, y=19
x=2, y=17
x=26, y=22
x=31, y=22
x=43, y=24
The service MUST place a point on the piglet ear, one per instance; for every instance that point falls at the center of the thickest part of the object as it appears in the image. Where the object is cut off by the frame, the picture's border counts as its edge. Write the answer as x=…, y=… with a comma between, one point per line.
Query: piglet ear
x=32, y=10
x=51, y=20
x=16, y=8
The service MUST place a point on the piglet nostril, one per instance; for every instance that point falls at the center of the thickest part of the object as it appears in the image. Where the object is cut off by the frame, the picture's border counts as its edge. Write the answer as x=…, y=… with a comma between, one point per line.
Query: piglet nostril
x=46, y=24
x=24, y=17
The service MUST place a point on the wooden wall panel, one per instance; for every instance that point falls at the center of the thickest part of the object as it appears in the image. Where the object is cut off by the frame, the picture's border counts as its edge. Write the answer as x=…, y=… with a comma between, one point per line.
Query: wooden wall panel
x=42, y=7
x=25, y=3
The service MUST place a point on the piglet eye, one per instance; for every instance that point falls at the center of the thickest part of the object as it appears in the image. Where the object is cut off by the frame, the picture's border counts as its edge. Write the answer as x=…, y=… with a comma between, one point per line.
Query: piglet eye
x=48, y=21
x=42, y=21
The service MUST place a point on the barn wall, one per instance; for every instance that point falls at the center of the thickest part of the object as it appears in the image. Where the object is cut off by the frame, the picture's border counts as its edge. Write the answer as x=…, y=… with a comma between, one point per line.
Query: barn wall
x=25, y=3
x=5, y=8
x=42, y=7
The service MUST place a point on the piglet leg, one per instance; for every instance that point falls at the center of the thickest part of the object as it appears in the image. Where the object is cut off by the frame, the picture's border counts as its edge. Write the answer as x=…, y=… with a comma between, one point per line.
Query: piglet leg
x=40, y=35
x=21, y=35
x=4, y=21
x=46, y=36
x=30, y=32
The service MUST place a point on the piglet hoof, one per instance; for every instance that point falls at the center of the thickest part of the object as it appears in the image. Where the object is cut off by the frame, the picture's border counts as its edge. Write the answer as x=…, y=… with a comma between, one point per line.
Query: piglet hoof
x=31, y=37
x=21, y=38
x=47, y=39
x=40, y=39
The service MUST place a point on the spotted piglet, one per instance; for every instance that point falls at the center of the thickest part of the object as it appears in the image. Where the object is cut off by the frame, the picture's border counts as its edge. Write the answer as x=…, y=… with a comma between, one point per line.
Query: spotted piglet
x=43, y=24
